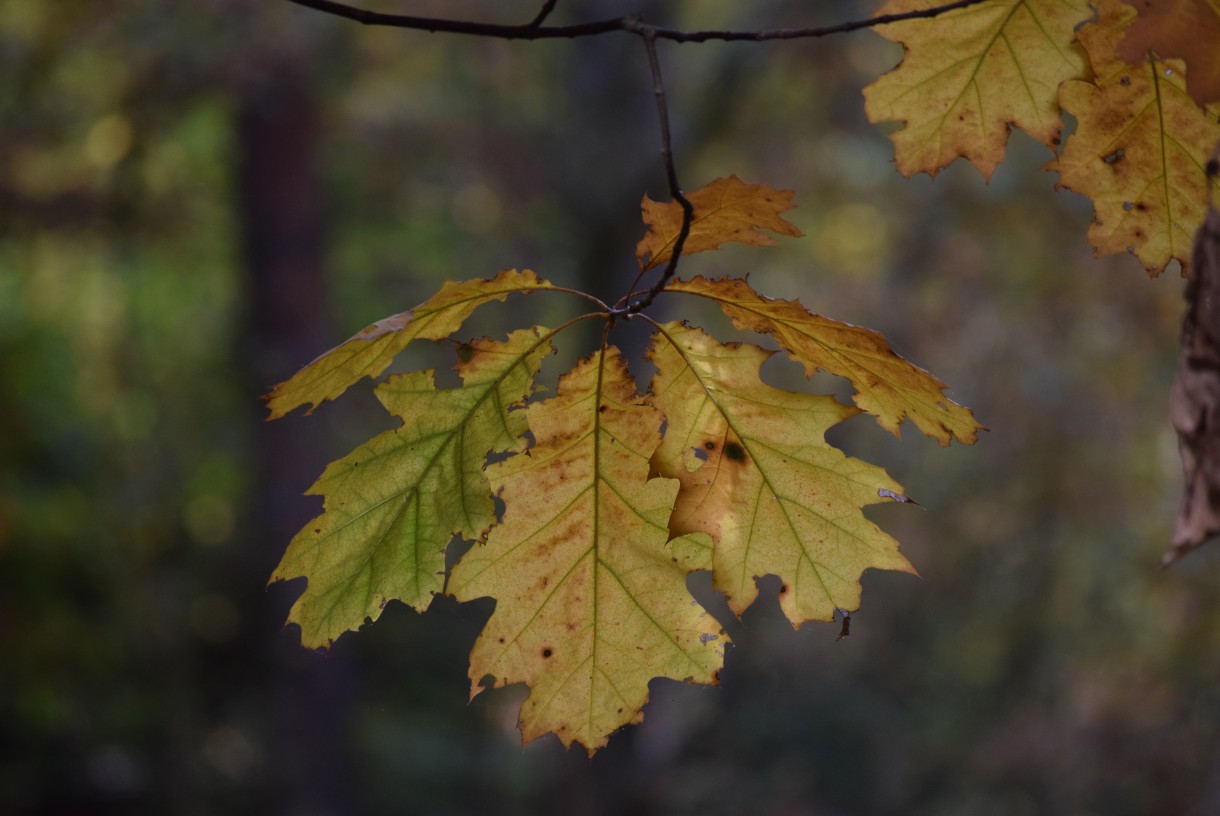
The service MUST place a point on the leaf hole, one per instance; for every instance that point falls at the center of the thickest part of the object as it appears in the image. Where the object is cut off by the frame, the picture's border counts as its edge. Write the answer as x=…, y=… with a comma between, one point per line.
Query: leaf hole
x=1128, y=206
x=1114, y=157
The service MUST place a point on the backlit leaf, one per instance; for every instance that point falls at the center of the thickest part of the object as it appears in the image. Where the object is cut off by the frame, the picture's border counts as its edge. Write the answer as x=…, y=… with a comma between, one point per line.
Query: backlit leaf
x=726, y=211
x=393, y=504
x=370, y=351
x=758, y=476
x=591, y=598
x=1139, y=149
x=967, y=75
x=887, y=386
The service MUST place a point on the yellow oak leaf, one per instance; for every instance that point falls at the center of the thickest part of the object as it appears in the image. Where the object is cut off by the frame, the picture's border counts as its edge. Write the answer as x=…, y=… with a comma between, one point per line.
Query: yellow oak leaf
x=1139, y=150
x=370, y=351
x=969, y=74
x=758, y=477
x=887, y=386
x=727, y=210
x=1188, y=30
x=591, y=598
x=393, y=504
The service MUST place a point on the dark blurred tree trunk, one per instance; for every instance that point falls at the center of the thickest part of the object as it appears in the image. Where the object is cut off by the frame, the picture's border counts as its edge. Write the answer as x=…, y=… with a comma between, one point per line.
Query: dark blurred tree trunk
x=283, y=225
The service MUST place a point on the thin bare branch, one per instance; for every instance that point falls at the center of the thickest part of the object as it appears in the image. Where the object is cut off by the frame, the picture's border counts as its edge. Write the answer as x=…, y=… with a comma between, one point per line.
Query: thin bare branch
x=810, y=33
x=543, y=13
x=671, y=175
x=535, y=30
x=532, y=30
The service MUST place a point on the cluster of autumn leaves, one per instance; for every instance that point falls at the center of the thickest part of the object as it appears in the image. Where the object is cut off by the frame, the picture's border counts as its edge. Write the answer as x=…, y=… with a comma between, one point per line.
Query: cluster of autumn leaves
x=611, y=498
x=1140, y=78
x=604, y=516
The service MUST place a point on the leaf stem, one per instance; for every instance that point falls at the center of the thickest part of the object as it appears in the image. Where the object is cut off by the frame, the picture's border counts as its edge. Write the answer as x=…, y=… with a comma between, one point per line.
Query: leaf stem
x=591, y=298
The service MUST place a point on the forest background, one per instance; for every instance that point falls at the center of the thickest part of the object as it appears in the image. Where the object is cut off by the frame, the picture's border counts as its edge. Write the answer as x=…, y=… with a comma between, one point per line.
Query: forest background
x=191, y=207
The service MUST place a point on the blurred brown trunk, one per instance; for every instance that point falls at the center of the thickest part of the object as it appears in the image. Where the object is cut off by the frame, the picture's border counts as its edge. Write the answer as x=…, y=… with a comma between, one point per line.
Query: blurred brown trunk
x=283, y=225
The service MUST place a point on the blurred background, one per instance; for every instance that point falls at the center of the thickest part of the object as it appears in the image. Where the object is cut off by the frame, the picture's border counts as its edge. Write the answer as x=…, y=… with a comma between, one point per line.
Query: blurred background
x=195, y=203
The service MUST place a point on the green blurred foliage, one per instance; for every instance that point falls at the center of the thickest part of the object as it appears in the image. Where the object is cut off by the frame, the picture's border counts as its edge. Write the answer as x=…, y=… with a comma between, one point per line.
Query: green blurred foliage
x=1043, y=663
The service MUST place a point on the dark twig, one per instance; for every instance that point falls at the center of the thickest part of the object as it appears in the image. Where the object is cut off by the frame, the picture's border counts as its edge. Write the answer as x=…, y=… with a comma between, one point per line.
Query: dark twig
x=543, y=13
x=534, y=30
x=671, y=175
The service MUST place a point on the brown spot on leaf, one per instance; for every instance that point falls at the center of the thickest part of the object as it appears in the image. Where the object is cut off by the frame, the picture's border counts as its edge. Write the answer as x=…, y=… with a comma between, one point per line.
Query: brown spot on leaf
x=547, y=652
x=735, y=452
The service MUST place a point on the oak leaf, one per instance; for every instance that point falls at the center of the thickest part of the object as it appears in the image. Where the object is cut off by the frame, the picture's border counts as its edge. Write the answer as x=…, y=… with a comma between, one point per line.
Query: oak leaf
x=1188, y=30
x=887, y=386
x=968, y=74
x=393, y=504
x=758, y=477
x=591, y=598
x=370, y=351
x=726, y=211
x=1139, y=149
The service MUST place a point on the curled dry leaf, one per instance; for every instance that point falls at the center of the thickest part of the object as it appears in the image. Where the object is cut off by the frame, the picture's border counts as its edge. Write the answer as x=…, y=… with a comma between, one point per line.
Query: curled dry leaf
x=1194, y=403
